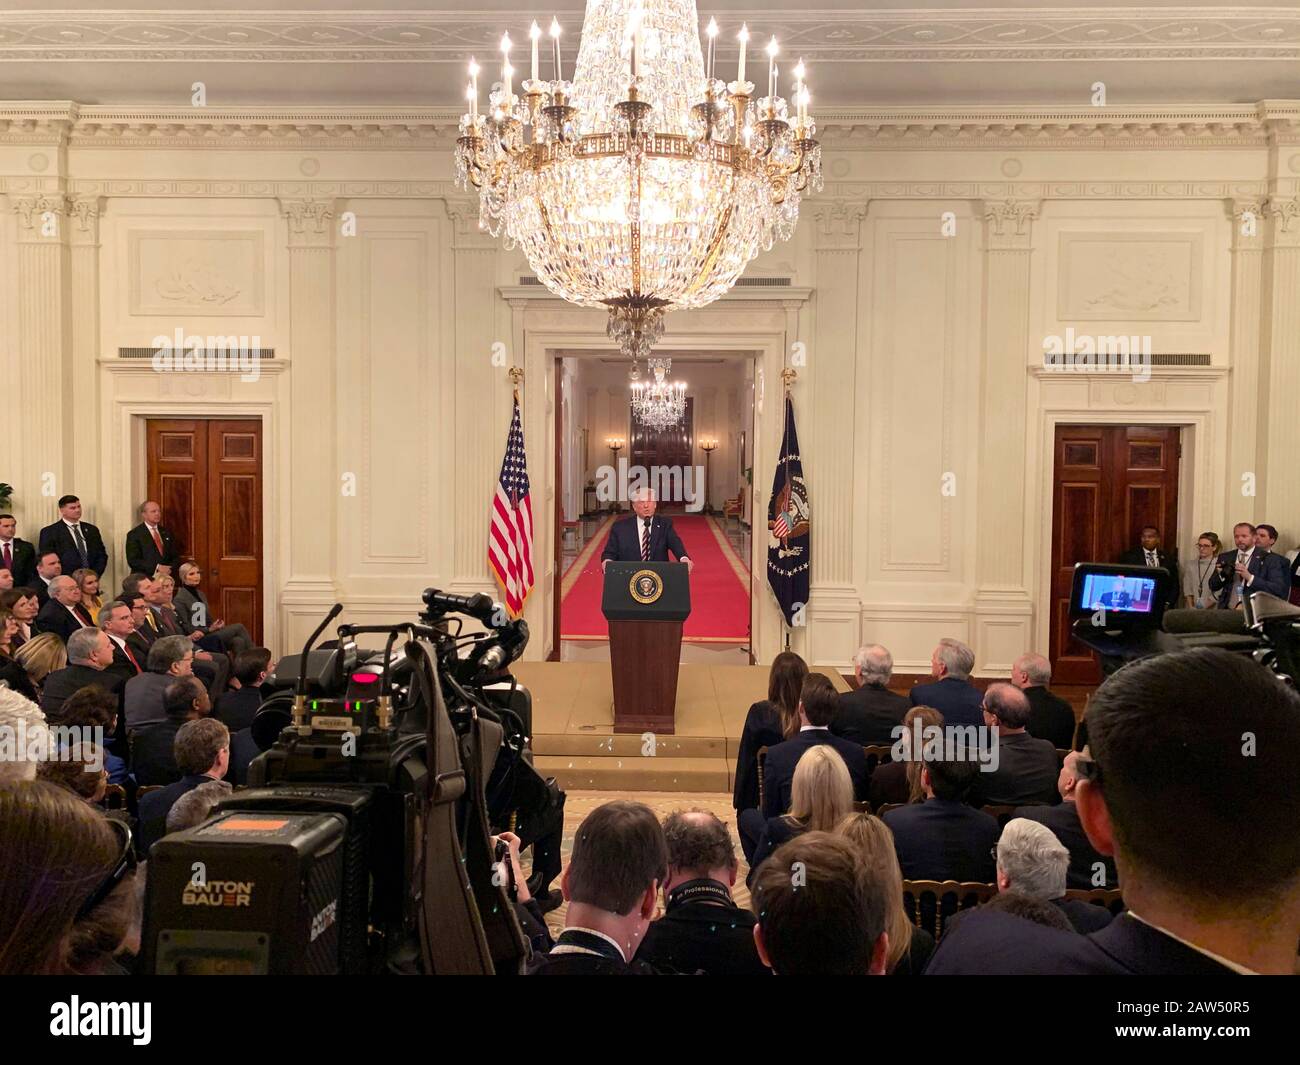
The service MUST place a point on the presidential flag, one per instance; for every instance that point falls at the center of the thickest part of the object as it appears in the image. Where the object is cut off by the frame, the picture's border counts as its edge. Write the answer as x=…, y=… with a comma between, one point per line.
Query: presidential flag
x=510, y=538
x=788, y=515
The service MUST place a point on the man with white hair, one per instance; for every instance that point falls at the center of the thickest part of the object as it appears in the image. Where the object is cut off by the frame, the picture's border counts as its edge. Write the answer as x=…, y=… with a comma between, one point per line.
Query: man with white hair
x=1050, y=717
x=63, y=614
x=24, y=738
x=951, y=693
x=1032, y=861
x=870, y=713
x=89, y=654
x=644, y=537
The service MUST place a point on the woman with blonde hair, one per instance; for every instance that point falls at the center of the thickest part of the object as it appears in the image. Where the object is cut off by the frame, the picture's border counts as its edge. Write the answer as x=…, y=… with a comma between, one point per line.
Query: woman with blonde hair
x=900, y=781
x=40, y=656
x=768, y=722
x=821, y=795
x=88, y=581
x=909, y=947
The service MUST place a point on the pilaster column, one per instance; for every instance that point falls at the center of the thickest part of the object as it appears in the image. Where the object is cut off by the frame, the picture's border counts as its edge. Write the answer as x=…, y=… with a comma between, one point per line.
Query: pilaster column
x=1003, y=609
x=1279, y=441
x=826, y=385
x=314, y=476
x=83, y=237
x=44, y=342
x=1249, y=224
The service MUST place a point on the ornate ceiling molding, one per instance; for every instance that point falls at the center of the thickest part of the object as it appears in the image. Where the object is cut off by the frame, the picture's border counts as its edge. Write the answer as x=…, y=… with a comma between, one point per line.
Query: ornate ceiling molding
x=971, y=35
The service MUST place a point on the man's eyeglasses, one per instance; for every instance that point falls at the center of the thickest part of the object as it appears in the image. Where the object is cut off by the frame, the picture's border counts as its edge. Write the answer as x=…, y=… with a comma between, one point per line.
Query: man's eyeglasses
x=124, y=864
x=1088, y=769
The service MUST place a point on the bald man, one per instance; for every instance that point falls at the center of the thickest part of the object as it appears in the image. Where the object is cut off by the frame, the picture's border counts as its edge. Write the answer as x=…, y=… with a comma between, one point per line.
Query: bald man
x=1050, y=717
x=1026, y=770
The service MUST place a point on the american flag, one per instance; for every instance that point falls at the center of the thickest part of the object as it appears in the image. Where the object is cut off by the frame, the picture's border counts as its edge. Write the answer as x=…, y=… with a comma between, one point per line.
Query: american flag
x=510, y=539
x=781, y=527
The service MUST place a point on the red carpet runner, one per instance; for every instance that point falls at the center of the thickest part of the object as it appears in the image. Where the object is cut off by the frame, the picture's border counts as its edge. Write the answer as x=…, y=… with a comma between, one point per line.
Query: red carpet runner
x=719, y=599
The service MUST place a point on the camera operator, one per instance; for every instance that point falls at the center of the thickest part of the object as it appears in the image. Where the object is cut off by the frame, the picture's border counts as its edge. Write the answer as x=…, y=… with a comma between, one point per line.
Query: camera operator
x=527, y=910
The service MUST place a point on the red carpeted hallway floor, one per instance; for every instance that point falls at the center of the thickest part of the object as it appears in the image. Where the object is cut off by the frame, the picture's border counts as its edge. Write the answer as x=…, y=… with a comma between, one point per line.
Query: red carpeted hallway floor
x=719, y=594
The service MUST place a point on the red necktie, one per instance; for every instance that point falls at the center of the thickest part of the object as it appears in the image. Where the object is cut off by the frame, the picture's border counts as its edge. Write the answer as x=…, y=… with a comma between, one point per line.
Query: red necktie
x=83, y=617
x=126, y=648
x=9, y=558
x=157, y=540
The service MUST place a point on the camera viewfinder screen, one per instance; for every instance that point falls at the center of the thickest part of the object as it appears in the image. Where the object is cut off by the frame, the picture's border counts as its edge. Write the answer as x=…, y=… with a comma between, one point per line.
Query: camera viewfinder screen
x=1130, y=595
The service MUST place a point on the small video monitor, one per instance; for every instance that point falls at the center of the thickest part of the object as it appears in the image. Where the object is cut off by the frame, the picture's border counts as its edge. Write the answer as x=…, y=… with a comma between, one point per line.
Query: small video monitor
x=1130, y=596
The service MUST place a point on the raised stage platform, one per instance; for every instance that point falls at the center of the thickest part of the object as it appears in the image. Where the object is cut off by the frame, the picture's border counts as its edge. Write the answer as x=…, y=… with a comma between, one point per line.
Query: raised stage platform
x=573, y=727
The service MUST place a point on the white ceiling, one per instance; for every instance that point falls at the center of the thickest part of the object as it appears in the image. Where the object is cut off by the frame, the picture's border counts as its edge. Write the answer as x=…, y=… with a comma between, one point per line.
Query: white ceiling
x=403, y=52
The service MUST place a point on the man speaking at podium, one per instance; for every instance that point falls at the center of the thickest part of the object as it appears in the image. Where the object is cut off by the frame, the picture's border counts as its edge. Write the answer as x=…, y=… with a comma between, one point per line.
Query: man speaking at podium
x=641, y=537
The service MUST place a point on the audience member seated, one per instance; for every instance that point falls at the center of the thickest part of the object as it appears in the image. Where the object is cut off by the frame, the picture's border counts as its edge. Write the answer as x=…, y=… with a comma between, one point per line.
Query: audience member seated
x=89, y=652
x=821, y=910
x=69, y=902
x=194, y=806
x=213, y=671
x=135, y=596
x=951, y=693
x=20, y=716
x=40, y=656
x=909, y=947
x=81, y=771
x=943, y=838
x=48, y=567
x=200, y=753
x=1026, y=767
x=6, y=579
x=1032, y=861
x=899, y=781
x=63, y=614
x=1051, y=718
x=611, y=884
x=24, y=606
x=1017, y=904
x=1087, y=869
x=169, y=658
x=768, y=722
x=871, y=713
x=118, y=624
x=702, y=930
x=91, y=601
x=1211, y=886
x=11, y=671
x=528, y=911
x=190, y=601
x=821, y=796
x=237, y=708
x=153, y=758
x=243, y=749
x=92, y=707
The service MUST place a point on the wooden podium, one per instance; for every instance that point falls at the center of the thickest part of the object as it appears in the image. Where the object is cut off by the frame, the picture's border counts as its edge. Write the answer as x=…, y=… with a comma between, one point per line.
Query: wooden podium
x=645, y=604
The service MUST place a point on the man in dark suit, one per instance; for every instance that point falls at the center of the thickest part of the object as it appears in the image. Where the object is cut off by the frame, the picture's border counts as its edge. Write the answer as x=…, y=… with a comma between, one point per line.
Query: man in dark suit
x=144, y=699
x=116, y=622
x=63, y=614
x=1033, y=862
x=201, y=752
x=48, y=567
x=88, y=655
x=643, y=536
x=149, y=545
x=1087, y=868
x=702, y=929
x=951, y=693
x=1211, y=882
x=1150, y=554
x=16, y=554
x=1247, y=570
x=237, y=707
x=1026, y=767
x=943, y=838
x=1051, y=718
x=818, y=702
x=611, y=884
x=77, y=542
x=870, y=713
x=153, y=754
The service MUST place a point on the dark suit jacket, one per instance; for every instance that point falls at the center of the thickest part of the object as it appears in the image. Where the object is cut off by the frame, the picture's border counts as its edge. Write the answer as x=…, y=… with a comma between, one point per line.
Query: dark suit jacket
x=1027, y=773
x=762, y=729
x=1051, y=718
x=155, y=807
x=153, y=759
x=958, y=700
x=122, y=666
x=776, y=831
x=41, y=588
x=940, y=839
x=60, y=684
x=869, y=715
x=888, y=784
x=778, y=772
x=236, y=709
x=1294, y=575
x=142, y=553
x=624, y=543
x=1063, y=820
x=703, y=937
x=1167, y=562
x=1084, y=917
x=54, y=617
x=999, y=944
x=142, y=699
x=242, y=752
x=24, y=567
x=1269, y=570
x=58, y=537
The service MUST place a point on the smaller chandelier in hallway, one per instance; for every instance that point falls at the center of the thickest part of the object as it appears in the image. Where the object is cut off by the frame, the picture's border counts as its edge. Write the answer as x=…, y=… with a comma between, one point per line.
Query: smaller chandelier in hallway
x=659, y=404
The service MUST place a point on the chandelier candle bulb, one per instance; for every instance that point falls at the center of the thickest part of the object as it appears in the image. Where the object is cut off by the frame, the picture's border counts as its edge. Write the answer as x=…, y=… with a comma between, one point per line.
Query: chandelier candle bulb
x=555, y=36
x=712, y=31
x=473, y=88
x=506, y=69
x=535, y=34
x=743, y=37
x=772, y=50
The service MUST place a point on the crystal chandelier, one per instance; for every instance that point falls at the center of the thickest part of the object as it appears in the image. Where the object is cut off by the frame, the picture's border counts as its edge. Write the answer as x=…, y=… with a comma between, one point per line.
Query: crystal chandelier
x=658, y=404
x=646, y=184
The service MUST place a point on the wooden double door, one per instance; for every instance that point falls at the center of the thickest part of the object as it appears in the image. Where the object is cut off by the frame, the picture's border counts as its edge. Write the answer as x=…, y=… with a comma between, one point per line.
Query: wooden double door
x=206, y=474
x=1108, y=482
